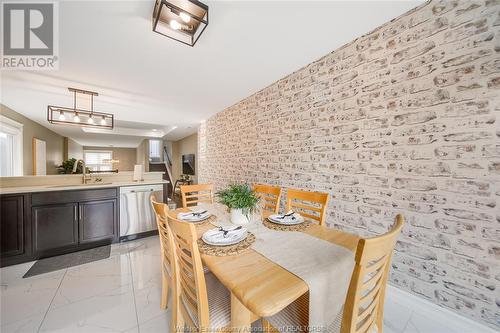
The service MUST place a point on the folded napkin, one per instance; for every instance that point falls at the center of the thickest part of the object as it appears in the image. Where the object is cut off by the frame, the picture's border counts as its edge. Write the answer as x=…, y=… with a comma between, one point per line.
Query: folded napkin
x=194, y=215
x=290, y=216
x=223, y=236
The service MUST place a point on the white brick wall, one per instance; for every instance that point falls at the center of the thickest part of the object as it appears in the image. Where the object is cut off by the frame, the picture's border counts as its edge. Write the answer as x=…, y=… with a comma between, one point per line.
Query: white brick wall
x=404, y=119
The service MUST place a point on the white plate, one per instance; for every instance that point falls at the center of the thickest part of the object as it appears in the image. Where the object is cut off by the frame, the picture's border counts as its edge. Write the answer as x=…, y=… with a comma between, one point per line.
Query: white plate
x=230, y=241
x=274, y=218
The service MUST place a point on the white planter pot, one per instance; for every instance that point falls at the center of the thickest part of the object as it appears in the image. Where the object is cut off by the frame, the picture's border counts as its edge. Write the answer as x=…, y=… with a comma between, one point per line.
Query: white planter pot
x=237, y=216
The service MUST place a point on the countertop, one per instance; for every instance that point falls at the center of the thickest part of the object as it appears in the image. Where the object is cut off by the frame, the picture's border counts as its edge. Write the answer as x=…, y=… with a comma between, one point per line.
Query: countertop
x=50, y=188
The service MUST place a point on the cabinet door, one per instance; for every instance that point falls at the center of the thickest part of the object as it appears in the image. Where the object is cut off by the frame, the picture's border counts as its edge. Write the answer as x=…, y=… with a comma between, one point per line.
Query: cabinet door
x=98, y=221
x=15, y=234
x=56, y=226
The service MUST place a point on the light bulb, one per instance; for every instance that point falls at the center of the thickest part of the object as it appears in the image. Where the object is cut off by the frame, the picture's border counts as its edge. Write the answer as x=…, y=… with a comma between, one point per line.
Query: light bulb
x=103, y=121
x=90, y=120
x=175, y=25
x=76, y=119
x=61, y=116
x=185, y=17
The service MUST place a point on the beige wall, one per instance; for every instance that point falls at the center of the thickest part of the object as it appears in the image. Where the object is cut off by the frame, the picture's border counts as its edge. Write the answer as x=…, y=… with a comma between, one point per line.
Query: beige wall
x=402, y=120
x=188, y=145
x=72, y=149
x=125, y=156
x=54, y=142
x=142, y=154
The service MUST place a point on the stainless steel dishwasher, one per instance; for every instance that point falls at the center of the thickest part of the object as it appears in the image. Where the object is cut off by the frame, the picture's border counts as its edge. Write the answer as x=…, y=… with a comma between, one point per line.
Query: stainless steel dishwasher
x=136, y=213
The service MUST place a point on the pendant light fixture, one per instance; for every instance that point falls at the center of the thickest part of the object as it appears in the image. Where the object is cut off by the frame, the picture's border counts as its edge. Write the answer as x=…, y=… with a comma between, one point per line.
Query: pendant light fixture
x=181, y=20
x=80, y=117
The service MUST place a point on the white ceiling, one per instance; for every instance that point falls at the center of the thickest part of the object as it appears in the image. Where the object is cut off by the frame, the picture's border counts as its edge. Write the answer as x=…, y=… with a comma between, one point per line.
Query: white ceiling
x=151, y=82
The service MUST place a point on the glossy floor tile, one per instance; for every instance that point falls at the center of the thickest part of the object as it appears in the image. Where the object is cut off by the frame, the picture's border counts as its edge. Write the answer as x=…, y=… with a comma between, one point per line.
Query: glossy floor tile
x=122, y=294
x=103, y=277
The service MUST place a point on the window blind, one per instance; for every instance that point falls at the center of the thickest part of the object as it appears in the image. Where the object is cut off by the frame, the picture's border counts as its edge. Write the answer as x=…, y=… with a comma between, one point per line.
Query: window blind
x=96, y=160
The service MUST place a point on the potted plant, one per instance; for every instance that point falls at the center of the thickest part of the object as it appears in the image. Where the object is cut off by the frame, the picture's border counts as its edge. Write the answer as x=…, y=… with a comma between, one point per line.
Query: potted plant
x=67, y=167
x=240, y=200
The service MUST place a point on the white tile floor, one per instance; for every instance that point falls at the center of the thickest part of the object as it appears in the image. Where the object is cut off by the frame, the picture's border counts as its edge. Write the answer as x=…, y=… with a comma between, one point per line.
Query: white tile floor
x=122, y=294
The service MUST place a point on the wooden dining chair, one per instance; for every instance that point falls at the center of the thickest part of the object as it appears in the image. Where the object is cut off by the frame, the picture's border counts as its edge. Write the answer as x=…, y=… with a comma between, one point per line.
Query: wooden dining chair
x=204, y=303
x=161, y=211
x=193, y=194
x=270, y=196
x=311, y=205
x=364, y=303
x=364, y=306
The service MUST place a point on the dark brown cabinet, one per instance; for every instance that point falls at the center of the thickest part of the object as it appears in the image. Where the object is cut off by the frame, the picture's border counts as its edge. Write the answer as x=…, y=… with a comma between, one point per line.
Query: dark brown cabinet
x=55, y=226
x=66, y=221
x=98, y=221
x=15, y=231
x=43, y=224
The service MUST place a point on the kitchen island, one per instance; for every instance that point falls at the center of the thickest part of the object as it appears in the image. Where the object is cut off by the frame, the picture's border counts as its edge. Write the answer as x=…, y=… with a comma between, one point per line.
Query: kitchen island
x=39, y=221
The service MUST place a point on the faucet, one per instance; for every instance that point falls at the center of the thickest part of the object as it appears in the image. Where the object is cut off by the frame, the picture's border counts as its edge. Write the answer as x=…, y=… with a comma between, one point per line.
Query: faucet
x=84, y=176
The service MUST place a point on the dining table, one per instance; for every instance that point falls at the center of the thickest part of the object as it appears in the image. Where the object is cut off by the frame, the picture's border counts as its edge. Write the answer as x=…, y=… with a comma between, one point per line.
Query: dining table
x=259, y=287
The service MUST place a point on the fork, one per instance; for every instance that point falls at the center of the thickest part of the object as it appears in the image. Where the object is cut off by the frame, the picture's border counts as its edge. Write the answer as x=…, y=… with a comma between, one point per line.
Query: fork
x=199, y=213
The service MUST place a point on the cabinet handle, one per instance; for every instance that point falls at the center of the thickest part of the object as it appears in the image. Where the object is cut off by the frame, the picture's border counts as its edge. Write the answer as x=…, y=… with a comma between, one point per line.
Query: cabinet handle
x=76, y=213
x=80, y=212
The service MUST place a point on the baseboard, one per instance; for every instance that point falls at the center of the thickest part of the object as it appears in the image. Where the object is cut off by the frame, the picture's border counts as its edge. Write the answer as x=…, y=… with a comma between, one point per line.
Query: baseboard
x=431, y=310
x=138, y=236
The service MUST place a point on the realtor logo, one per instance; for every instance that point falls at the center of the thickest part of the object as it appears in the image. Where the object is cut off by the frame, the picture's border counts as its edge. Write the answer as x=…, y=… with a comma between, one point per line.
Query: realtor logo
x=29, y=32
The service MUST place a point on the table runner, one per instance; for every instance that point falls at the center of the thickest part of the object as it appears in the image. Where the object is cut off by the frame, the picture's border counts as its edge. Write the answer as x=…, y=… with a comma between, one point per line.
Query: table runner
x=324, y=266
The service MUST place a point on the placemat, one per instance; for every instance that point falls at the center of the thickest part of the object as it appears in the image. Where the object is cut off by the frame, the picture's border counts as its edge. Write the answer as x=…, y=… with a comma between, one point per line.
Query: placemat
x=230, y=250
x=281, y=227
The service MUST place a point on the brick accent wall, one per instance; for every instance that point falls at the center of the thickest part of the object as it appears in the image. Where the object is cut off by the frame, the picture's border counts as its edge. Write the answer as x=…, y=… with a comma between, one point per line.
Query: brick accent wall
x=404, y=119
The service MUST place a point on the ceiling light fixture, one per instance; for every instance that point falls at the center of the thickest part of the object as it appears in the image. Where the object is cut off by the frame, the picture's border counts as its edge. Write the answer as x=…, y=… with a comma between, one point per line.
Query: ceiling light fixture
x=185, y=17
x=175, y=25
x=183, y=21
x=81, y=117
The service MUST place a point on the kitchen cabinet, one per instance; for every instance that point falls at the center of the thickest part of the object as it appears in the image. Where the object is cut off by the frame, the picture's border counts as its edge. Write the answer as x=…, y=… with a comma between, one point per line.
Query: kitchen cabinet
x=55, y=226
x=44, y=224
x=98, y=221
x=15, y=229
x=67, y=221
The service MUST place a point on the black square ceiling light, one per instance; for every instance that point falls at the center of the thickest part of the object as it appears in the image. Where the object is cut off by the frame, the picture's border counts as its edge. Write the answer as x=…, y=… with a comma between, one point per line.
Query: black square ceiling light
x=181, y=20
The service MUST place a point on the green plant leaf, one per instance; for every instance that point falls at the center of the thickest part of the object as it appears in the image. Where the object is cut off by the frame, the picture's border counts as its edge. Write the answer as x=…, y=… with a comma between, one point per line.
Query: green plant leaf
x=239, y=196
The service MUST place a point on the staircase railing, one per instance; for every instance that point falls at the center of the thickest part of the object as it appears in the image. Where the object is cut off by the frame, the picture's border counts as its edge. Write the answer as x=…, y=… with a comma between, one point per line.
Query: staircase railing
x=168, y=166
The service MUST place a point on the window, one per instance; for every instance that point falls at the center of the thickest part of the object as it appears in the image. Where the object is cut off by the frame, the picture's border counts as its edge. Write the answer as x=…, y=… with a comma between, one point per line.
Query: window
x=155, y=147
x=98, y=160
x=11, y=147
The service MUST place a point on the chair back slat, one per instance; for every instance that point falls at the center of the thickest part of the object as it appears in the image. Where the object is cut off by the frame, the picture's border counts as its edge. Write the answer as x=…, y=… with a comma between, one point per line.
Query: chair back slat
x=270, y=197
x=193, y=194
x=187, y=317
x=161, y=212
x=364, y=304
x=193, y=300
x=309, y=204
